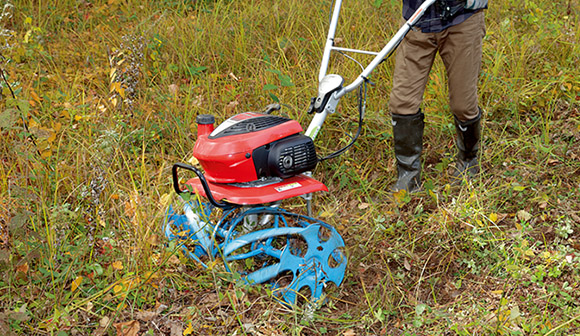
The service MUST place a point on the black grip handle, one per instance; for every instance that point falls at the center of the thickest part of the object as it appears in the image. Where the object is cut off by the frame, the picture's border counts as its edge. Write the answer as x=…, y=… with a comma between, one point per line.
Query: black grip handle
x=202, y=179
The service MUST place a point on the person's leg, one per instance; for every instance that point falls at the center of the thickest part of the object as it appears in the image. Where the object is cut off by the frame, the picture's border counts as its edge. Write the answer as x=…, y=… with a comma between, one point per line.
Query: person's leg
x=413, y=62
x=461, y=49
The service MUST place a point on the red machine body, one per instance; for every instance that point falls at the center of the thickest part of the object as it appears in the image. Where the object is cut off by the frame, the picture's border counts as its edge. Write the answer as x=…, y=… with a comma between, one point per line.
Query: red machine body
x=227, y=158
x=254, y=158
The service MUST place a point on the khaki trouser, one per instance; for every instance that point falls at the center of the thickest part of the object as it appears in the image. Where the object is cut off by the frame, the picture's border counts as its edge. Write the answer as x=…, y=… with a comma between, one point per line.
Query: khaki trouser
x=460, y=49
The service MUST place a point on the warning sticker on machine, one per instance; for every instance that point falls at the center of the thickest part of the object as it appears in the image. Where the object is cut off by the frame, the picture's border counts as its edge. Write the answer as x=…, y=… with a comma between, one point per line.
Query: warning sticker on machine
x=288, y=186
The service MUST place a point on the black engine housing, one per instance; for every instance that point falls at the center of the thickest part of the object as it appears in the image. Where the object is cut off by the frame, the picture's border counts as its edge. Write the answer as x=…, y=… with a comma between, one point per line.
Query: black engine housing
x=286, y=157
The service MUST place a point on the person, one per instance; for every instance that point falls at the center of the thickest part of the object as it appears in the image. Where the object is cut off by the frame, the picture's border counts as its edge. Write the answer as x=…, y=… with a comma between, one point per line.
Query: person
x=454, y=29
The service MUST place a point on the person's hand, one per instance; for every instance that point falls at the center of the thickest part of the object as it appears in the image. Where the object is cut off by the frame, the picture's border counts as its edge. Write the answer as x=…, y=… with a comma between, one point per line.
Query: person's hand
x=475, y=4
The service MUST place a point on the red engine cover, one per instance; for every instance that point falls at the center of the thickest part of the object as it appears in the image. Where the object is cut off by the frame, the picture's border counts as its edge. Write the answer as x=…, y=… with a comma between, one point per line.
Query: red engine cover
x=226, y=153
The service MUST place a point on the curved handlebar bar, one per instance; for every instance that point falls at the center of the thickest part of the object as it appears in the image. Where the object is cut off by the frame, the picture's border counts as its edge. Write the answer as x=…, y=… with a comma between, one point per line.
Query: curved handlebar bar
x=203, y=181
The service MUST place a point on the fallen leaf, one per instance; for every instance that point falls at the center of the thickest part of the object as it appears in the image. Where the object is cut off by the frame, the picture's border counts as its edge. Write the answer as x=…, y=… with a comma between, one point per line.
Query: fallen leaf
x=104, y=322
x=115, y=86
x=420, y=309
x=57, y=127
x=4, y=329
x=501, y=217
x=515, y=313
x=153, y=240
x=188, y=330
x=160, y=307
x=18, y=316
x=117, y=265
x=406, y=264
x=146, y=316
x=22, y=268
x=173, y=259
x=173, y=89
x=210, y=298
x=363, y=206
x=51, y=136
x=176, y=328
x=400, y=196
x=193, y=161
x=76, y=283
x=127, y=328
x=349, y=332
x=130, y=208
x=523, y=215
x=100, y=331
x=35, y=96
x=46, y=154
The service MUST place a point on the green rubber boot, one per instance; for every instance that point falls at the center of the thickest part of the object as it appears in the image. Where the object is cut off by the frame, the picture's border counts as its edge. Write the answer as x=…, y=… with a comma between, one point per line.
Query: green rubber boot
x=408, y=143
x=468, y=138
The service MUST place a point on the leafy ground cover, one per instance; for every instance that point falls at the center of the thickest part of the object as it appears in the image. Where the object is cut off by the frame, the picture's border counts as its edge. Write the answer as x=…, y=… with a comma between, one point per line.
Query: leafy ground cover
x=106, y=98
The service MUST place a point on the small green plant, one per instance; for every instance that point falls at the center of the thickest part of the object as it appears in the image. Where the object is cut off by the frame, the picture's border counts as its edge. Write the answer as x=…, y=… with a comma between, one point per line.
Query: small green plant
x=564, y=228
x=284, y=80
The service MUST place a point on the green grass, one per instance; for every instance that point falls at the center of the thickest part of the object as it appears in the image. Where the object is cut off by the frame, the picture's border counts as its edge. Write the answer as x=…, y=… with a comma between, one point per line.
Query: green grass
x=81, y=250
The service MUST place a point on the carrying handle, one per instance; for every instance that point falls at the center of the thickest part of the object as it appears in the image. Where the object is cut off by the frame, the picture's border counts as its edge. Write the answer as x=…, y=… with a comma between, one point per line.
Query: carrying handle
x=202, y=179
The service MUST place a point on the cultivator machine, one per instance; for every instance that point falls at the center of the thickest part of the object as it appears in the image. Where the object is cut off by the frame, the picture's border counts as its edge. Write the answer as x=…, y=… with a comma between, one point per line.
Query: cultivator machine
x=253, y=162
